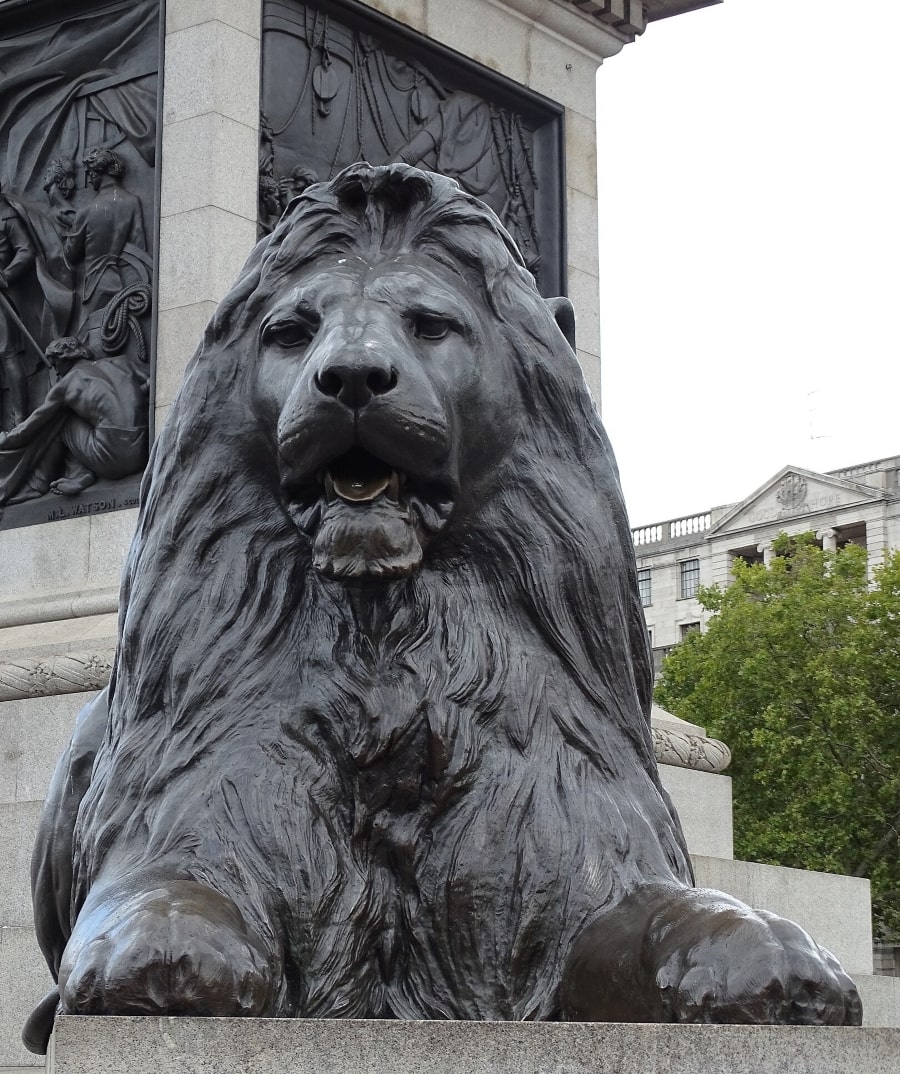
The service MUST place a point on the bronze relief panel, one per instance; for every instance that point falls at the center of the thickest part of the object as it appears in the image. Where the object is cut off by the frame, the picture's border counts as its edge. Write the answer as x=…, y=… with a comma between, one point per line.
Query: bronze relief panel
x=78, y=123
x=341, y=84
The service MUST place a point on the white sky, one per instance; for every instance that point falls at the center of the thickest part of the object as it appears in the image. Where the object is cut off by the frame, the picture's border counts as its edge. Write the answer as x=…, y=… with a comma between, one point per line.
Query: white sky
x=749, y=184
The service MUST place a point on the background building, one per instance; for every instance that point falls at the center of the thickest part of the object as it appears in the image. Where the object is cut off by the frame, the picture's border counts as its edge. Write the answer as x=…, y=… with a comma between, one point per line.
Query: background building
x=855, y=505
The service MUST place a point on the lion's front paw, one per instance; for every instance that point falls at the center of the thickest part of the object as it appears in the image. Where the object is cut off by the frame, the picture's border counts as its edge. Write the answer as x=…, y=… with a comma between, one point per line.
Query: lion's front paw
x=749, y=966
x=668, y=953
x=179, y=948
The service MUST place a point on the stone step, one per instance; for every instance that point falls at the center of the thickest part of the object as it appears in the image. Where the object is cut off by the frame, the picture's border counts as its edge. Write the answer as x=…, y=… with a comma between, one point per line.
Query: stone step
x=296, y=1046
x=881, y=1000
x=703, y=802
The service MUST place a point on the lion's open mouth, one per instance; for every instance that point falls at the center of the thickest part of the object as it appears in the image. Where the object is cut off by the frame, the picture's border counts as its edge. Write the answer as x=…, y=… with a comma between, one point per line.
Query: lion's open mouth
x=365, y=516
x=360, y=477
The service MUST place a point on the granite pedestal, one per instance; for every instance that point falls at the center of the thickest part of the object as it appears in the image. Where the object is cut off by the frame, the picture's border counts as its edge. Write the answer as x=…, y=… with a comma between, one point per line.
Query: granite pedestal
x=289, y=1046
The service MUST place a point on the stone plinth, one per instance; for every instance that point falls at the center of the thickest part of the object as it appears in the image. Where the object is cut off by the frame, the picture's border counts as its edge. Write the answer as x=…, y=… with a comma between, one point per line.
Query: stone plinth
x=288, y=1046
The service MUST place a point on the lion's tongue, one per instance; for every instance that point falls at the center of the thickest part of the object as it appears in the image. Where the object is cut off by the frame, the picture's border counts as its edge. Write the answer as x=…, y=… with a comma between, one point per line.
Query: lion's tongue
x=359, y=478
x=359, y=490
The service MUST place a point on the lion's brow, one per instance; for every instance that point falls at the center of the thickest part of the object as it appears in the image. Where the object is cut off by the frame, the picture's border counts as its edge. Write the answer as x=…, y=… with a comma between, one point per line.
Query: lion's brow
x=305, y=298
x=416, y=296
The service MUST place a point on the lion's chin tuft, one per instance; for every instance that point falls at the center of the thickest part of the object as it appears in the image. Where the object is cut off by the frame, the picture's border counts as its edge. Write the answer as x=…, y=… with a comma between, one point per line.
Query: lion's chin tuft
x=379, y=539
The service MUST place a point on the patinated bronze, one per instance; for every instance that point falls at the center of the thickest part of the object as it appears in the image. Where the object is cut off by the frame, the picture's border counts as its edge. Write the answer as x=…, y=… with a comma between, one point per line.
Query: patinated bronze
x=78, y=99
x=376, y=742
x=92, y=424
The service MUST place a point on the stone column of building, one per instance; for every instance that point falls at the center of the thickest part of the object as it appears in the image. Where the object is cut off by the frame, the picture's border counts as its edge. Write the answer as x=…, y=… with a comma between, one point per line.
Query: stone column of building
x=828, y=537
x=767, y=552
x=880, y=536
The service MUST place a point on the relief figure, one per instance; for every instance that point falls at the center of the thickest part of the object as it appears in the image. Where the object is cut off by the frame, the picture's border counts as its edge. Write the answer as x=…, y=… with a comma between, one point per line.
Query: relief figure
x=92, y=424
x=107, y=236
x=35, y=300
x=78, y=90
x=59, y=186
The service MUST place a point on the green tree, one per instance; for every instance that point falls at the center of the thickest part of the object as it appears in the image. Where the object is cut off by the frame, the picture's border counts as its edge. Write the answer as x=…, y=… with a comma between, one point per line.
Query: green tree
x=799, y=672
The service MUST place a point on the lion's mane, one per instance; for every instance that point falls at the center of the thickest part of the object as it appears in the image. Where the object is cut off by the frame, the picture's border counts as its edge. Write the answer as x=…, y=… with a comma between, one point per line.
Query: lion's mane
x=351, y=760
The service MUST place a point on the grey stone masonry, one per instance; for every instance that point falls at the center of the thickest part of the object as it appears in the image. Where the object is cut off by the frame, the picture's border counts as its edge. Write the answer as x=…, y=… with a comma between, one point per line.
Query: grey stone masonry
x=337, y=1046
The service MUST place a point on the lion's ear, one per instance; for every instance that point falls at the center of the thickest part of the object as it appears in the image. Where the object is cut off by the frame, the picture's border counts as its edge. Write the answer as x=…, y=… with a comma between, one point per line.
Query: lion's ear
x=564, y=314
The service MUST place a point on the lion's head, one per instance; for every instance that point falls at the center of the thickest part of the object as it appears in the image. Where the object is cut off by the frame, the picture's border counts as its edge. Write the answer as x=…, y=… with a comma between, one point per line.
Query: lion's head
x=381, y=369
x=386, y=365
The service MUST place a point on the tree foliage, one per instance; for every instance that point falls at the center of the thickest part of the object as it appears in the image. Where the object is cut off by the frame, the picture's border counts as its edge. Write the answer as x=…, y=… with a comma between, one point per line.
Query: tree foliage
x=799, y=672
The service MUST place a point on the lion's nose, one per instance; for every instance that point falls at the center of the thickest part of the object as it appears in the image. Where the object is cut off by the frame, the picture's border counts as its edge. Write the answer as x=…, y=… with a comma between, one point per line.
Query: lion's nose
x=354, y=382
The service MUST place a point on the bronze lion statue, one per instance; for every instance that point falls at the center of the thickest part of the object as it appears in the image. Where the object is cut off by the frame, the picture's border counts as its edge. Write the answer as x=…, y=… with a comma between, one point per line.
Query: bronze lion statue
x=376, y=741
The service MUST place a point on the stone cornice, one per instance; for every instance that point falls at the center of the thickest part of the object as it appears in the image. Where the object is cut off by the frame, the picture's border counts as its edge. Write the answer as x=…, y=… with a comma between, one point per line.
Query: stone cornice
x=630, y=17
x=665, y=9
x=575, y=25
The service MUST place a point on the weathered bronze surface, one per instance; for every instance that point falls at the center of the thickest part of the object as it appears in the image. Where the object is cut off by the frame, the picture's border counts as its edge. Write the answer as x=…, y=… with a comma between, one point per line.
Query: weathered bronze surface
x=341, y=84
x=78, y=95
x=377, y=738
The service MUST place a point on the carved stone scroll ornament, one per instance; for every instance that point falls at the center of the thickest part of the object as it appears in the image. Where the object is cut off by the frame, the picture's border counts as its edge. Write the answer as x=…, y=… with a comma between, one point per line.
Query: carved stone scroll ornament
x=684, y=750
x=377, y=741
x=67, y=673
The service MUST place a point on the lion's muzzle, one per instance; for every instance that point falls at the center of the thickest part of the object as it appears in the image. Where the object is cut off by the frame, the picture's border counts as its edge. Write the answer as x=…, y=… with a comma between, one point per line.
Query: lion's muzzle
x=364, y=446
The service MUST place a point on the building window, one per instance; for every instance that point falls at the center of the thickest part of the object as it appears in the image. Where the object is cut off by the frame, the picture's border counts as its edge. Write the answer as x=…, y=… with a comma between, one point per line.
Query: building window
x=689, y=628
x=644, y=587
x=688, y=577
x=750, y=555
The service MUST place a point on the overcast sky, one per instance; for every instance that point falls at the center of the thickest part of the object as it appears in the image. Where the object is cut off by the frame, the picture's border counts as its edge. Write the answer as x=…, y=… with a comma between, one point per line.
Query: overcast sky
x=749, y=183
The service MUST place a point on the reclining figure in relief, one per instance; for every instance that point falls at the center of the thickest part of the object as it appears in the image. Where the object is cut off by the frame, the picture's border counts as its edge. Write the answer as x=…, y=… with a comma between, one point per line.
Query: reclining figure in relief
x=92, y=423
x=376, y=742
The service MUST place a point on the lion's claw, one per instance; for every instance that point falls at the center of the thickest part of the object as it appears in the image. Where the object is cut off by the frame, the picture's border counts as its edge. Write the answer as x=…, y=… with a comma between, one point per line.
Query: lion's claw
x=178, y=948
x=750, y=966
x=673, y=954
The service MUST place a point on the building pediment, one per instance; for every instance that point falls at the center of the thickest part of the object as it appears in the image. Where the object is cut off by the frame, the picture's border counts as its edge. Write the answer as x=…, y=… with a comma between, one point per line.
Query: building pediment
x=792, y=494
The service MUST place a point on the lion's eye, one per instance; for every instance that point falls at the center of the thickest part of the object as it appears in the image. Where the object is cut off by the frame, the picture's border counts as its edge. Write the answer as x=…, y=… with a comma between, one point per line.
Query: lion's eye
x=290, y=333
x=431, y=329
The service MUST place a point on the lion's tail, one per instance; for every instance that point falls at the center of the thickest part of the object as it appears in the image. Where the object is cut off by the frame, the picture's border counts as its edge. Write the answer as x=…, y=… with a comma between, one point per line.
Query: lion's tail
x=39, y=1025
